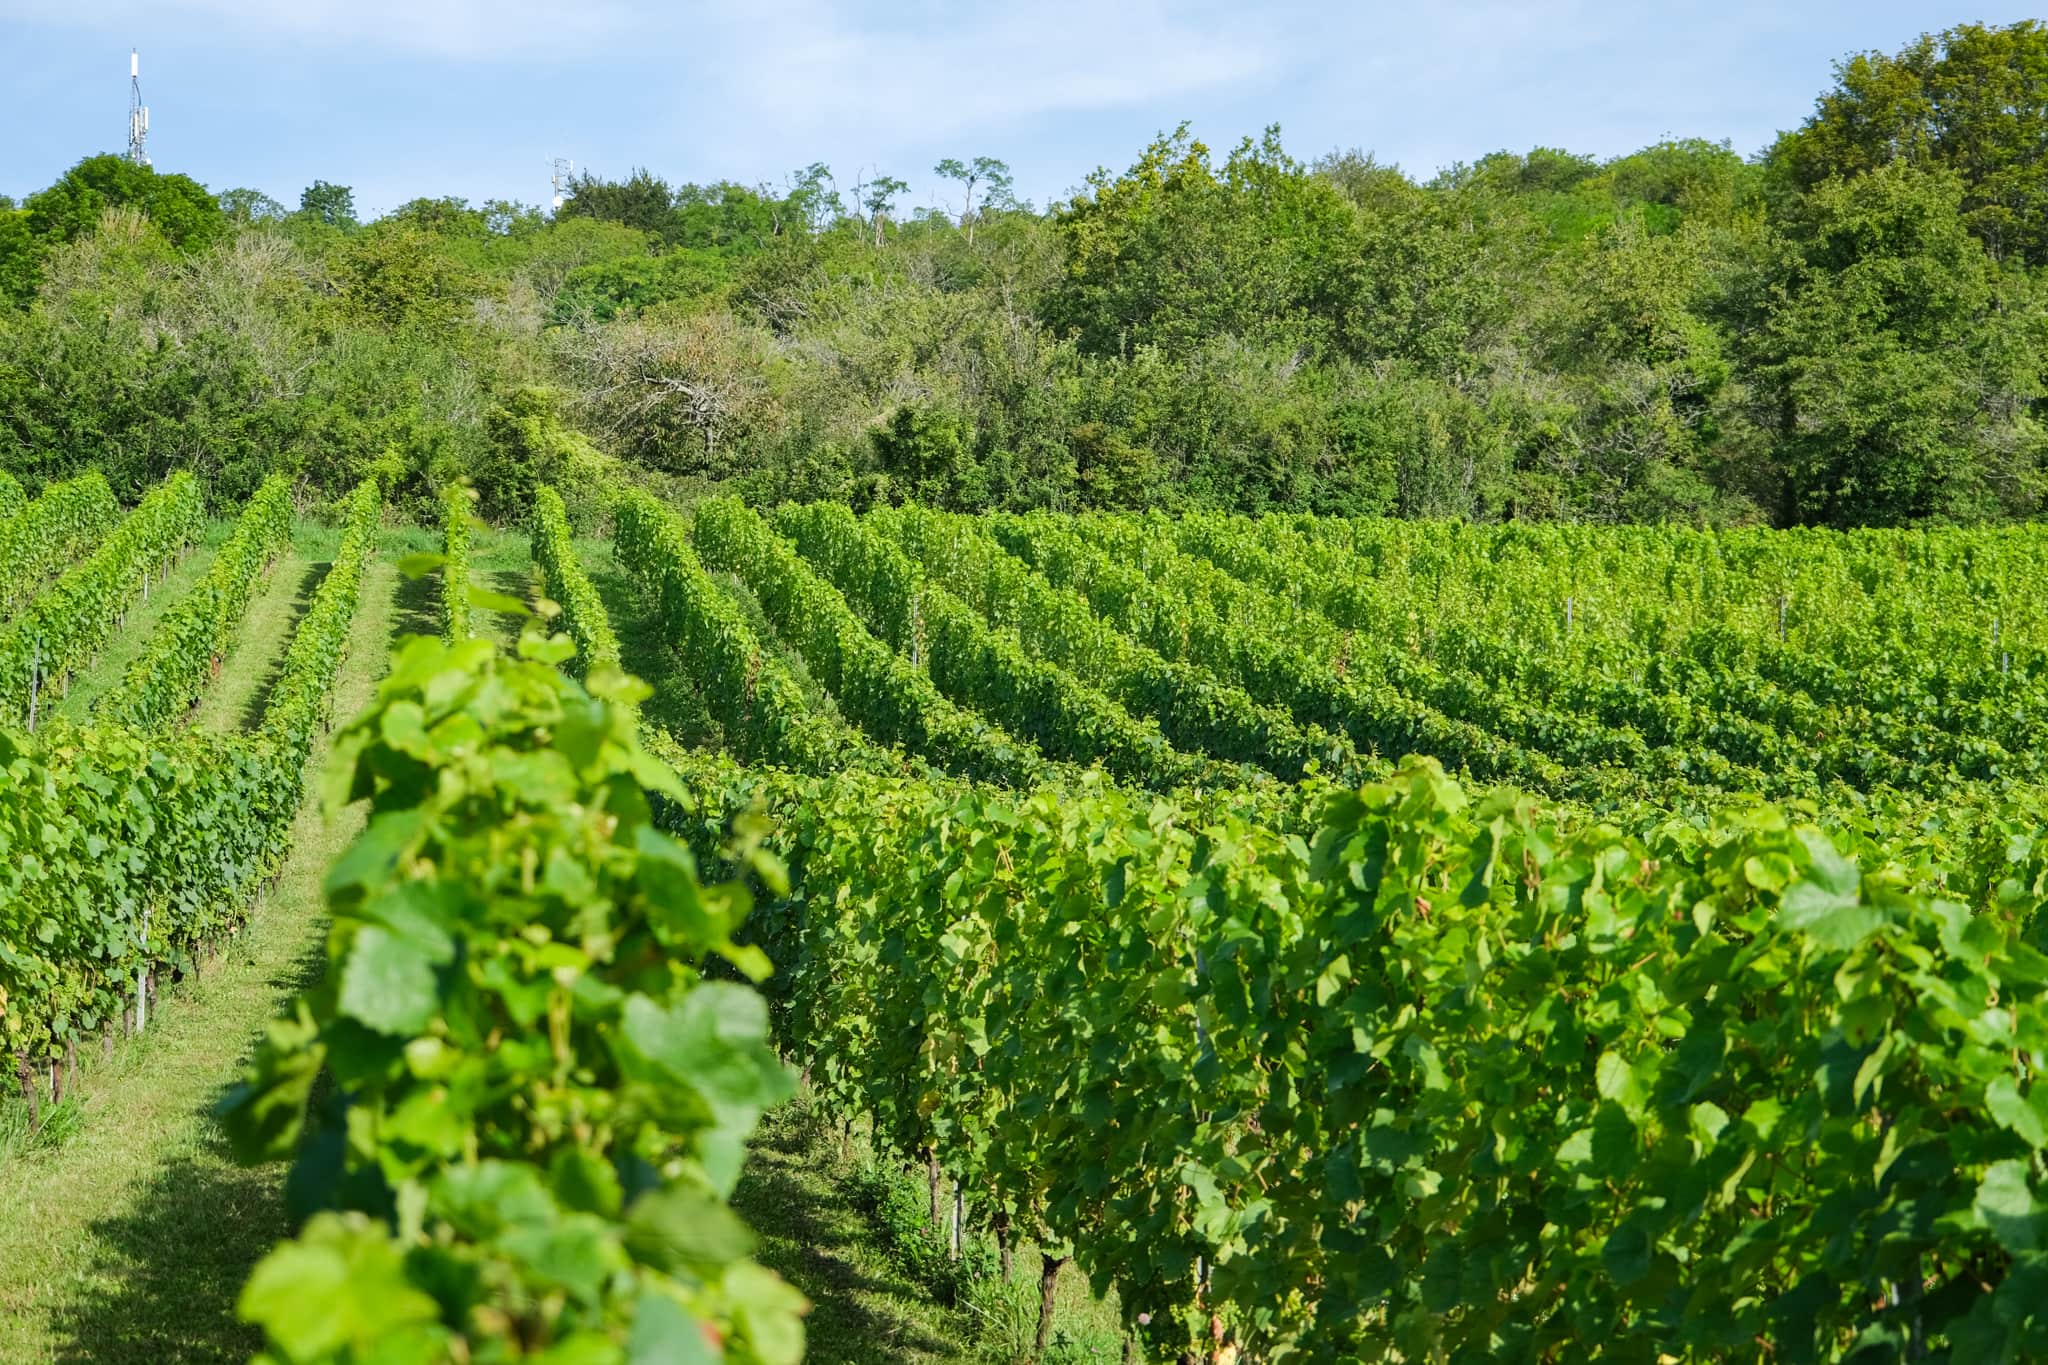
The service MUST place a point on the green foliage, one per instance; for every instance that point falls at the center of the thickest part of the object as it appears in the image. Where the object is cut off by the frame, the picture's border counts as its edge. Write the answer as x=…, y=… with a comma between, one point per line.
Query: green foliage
x=982, y=670
x=898, y=1203
x=1193, y=709
x=927, y=456
x=59, y=527
x=1671, y=335
x=641, y=201
x=20, y=256
x=299, y=702
x=331, y=205
x=65, y=625
x=1695, y=1046
x=724, y=218
x=456, y=502
x=177, y=206
x=1969, y=101
x=1207, y=620
x=126, y=851
x=185, y=650
x=878, y=689
x=1176, y=252
x=526, y=447
x=395, y=275
x=1888, y=339
x=760, y=707
x=246, y=206
x=583, y=613
x=561, y=1197
x=606, y=290
x=278, y=376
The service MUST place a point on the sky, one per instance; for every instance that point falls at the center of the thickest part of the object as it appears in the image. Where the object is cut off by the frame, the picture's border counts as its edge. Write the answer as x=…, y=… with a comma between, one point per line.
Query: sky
x=407, y=98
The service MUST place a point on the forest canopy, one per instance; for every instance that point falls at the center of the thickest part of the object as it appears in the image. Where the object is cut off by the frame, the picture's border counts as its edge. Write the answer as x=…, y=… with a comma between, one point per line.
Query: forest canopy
x=1849, y=327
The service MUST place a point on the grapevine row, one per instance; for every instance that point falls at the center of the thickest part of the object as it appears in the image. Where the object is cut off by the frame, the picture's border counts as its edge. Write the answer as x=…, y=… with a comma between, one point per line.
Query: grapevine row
x=1193, y=709
x=54, y=530
x=300, y=703
x=185, y=649
x=64, y=627
x=882, y=692
x=537, y=1075
x=146, y=847
x=981, y=669
x=455, y=518
x=583, y=610
x=1269, y=603
x=1740, y=717
x=1702, y=1093
x=1886, y=623
x=758, y=704
x=1158, y=613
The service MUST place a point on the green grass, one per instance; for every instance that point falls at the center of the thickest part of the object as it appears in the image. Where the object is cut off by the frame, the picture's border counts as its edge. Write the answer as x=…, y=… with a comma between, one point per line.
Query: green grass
x=90, y=682
x=130, y=1240
x=500, y=561
x=646, y=653
x=234, y=700
x=863, y=1309
x=802, y=1194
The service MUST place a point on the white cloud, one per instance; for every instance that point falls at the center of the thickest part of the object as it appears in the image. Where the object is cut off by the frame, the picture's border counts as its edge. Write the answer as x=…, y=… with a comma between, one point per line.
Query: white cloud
x=812, y=63
x=468, y=30
x=796, y=62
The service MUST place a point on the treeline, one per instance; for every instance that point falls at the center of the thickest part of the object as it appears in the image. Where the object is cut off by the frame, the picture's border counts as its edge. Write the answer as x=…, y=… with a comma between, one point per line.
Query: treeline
x=1850, y=327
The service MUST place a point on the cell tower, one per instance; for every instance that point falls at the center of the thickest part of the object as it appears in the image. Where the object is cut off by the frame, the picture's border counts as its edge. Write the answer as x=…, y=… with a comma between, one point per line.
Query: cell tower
x=563, y=179
x=138, y=112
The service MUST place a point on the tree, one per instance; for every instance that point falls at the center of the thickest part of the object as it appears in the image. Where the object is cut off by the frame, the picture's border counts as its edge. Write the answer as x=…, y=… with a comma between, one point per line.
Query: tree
x=812, y=197
x=1893, y=360
x=19, y=257
x=396, y=274
x=1644, y=370
x=1973, y=100
x=680, y=394
x=642, y=200
x=334, y=205
x=724, y=216
x=178, y=206
x=604, y=290
x=1692, y=177
x=878, y=197
x=1545, y=170
x=507, y=217
x=983, y=170
x=449, y=217
x=245, y=206
x=1178, y=252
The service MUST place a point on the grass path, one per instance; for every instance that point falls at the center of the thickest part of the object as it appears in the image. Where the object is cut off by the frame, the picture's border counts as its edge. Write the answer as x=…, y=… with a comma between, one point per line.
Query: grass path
x=130, y=1240
x=502, y=562
x=133, y=636
x=234, y=700
x=646, y=653
x=862, y=1309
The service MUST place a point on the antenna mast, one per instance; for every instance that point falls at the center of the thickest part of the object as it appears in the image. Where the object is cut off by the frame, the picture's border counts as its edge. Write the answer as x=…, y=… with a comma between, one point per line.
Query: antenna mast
x=138, y=112
x=563, y=179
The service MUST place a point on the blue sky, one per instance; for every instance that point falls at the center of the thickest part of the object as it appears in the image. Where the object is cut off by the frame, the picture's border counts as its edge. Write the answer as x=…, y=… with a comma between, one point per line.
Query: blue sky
x=472, y=97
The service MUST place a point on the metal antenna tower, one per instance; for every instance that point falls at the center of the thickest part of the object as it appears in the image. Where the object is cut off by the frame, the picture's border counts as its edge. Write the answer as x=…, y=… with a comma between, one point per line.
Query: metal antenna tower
x=138, y=112
x=563, y=178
